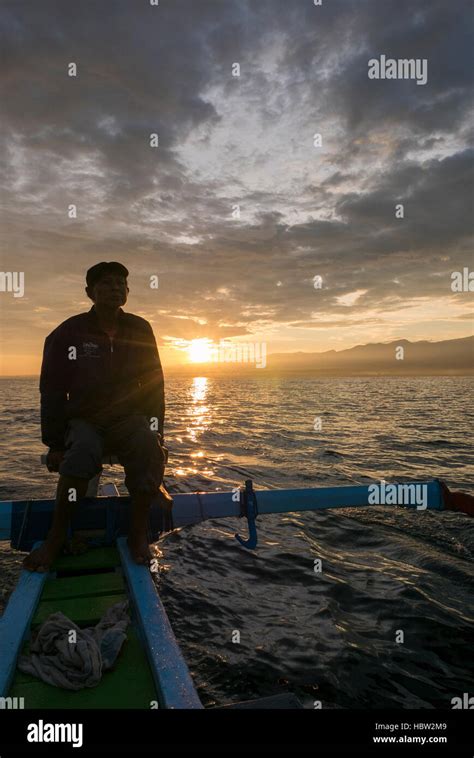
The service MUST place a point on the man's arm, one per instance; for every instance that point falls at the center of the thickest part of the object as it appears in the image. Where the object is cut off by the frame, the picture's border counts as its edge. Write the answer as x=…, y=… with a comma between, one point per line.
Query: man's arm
x=152, y=382
x=53, y=389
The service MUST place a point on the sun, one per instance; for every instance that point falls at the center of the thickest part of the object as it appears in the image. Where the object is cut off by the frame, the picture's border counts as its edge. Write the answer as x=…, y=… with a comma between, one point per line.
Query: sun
x=199, y=351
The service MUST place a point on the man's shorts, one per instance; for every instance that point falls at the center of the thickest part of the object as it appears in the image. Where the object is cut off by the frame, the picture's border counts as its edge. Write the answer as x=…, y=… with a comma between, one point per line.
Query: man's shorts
x=130, y=439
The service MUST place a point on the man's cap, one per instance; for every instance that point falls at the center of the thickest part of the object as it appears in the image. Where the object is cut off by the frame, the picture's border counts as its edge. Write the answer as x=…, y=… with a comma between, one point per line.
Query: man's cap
x=101, y=269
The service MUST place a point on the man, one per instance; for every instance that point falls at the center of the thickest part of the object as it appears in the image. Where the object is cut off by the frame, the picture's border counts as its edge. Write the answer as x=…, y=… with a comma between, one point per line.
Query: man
x=102, y=388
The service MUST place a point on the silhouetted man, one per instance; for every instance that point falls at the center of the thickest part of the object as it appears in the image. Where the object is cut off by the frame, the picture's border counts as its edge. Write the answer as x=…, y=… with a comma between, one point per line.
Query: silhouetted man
x=102, y=388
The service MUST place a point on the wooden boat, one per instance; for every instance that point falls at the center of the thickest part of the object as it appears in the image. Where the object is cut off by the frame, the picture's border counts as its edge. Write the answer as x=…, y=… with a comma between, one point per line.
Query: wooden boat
x=151, y=671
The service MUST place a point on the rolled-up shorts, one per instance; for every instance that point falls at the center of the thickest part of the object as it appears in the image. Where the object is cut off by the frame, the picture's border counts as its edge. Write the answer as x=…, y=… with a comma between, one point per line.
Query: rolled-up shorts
x=133, y=442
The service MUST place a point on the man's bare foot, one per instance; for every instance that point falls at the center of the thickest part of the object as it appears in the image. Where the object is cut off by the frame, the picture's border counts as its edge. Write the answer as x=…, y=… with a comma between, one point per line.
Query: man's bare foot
x=41, y=559
x=76, y=545
x=139, y=548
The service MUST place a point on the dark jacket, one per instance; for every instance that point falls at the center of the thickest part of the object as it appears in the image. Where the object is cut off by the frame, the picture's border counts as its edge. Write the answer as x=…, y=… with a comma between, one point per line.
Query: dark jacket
x=107, y=380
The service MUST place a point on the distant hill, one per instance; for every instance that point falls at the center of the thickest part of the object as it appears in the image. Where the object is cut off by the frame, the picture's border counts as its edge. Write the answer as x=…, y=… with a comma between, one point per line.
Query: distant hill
x=447, y=357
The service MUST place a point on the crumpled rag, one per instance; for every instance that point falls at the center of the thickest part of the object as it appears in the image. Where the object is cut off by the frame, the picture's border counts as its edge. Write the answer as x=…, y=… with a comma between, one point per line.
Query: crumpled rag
x=73, y=665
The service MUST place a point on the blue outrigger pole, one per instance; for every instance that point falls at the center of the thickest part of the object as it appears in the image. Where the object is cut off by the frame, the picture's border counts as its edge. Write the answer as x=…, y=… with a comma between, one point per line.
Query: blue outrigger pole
x=26, y=521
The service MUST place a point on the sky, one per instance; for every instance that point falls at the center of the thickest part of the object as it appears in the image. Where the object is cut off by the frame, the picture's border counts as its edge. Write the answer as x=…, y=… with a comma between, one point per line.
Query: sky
x=237, y=210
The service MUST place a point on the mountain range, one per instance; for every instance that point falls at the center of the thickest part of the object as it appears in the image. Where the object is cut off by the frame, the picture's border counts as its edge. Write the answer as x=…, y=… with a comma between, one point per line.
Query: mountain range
x=399, y=357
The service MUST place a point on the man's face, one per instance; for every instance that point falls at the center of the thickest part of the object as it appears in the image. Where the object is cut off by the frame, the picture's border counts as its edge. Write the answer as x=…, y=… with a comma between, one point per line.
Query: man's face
x=111, y=290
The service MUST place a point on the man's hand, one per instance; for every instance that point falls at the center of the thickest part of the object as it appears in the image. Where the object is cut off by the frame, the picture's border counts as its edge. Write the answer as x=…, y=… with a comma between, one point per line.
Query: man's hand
x=53, y=459
x=161, y=442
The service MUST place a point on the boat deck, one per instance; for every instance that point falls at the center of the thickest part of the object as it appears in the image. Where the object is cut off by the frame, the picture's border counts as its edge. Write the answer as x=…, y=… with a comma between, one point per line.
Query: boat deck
x=84, y=587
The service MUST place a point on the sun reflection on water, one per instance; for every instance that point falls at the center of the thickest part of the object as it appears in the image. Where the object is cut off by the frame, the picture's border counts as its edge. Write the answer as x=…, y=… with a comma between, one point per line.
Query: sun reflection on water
x=199, y=412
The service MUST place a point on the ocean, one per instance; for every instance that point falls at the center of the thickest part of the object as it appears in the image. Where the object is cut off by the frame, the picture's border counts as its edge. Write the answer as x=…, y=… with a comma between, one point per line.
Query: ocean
x=332, y=637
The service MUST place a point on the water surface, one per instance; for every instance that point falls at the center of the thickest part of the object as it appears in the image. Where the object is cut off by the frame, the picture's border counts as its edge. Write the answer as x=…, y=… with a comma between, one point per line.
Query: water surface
x=329, y=636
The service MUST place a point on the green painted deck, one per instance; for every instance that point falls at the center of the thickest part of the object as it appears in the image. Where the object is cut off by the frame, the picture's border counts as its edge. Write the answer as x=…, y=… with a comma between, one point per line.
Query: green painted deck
x=97, y=558
x=84, y=611
x=83, y=586
x=84, y=598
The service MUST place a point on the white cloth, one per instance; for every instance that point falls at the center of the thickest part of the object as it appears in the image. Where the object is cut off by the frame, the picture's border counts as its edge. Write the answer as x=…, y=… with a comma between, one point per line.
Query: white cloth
x=57, y=660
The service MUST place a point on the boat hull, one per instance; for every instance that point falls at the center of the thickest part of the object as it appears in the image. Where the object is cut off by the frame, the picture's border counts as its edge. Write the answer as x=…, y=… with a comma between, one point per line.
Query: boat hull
x=150, y=671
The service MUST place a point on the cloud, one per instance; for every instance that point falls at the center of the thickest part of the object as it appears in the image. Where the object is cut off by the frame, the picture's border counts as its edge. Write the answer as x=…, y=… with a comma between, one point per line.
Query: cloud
x=236, y=141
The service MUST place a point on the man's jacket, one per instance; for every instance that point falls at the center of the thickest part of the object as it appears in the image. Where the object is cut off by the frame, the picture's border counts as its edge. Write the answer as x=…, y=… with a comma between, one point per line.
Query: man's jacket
x=86, y=374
